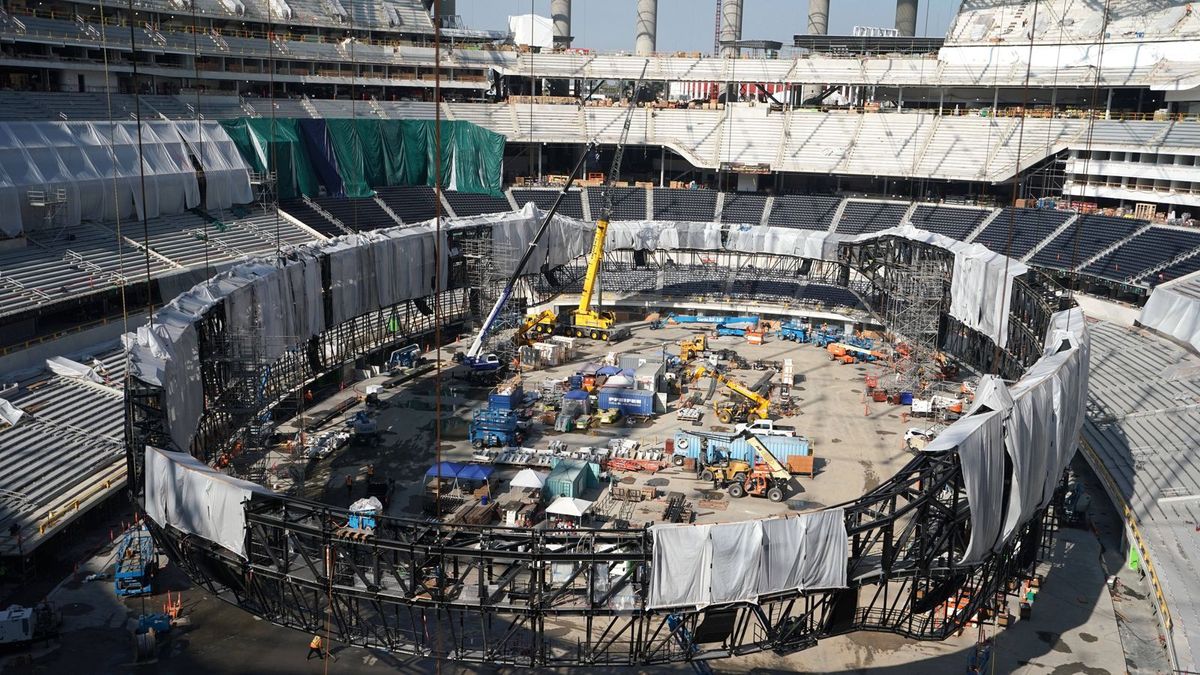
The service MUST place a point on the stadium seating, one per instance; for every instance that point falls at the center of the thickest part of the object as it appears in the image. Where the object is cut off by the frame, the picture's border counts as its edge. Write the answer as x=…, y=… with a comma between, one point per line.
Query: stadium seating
x=413, y=204
x=1094, y=233
x=572, y=203
x=692, y=280
x=953, y=222
x=467, y=204
x=1148, y=249
x=1028, y=226
x=357, y=214
x=743, y=207
x=305, y=214
x=627, y=203
x=859, y=216
x=828, y=296
x=1173, y=272
x=686, y=205
x=806, y=212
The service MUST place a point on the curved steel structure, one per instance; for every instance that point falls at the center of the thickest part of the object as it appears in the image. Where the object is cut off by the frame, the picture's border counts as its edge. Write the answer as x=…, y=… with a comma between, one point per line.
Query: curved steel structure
x=554, y=598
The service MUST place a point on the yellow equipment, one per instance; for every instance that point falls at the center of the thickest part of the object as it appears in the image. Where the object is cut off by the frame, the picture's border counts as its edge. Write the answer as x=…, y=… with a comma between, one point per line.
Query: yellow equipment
x=736, y=411
x=690, y=349
x=770, y=482
x=529, y=324
x=587, y=321
x=724, y=472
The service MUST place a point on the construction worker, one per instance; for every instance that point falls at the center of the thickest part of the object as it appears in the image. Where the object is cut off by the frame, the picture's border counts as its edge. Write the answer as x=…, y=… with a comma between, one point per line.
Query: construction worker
x=314, y=647
x=349, y=485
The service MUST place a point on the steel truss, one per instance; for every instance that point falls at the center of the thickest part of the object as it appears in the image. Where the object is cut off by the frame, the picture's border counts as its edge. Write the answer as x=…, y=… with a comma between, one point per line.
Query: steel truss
x=578, y=597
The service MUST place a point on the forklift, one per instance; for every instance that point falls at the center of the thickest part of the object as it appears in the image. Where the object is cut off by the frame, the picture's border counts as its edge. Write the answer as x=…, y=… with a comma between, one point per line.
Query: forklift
x=740, y=478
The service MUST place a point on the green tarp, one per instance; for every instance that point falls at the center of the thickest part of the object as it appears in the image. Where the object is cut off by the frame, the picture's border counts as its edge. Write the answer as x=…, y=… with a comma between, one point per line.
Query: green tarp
x=275, y=144
x=375, y=153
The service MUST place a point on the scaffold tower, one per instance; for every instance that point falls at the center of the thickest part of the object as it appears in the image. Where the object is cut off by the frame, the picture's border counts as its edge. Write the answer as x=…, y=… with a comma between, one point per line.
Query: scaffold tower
x=913, y=310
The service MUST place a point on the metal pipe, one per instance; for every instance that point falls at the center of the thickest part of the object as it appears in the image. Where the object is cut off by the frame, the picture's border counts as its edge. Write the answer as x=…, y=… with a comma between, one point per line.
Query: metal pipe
x=645, y=35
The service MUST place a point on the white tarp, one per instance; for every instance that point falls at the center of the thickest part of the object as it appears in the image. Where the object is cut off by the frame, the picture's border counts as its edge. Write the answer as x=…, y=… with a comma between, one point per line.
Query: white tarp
x=565, y=239
x=99, y=167
x=10, y=413
x=663, y=235
x=818, y=245
x=744, y=560
x=681, y=566
x=979, y=441
x=195, y=498
x=64, y=367
x=226, y=174
x=1174, y=310
x=532, y=30
x=528, y=478
x=569, y=506
x=736, y=551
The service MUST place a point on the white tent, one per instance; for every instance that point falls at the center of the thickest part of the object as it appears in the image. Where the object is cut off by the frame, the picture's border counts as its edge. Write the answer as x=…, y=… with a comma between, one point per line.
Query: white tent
x=528, y=478
x=569, y=506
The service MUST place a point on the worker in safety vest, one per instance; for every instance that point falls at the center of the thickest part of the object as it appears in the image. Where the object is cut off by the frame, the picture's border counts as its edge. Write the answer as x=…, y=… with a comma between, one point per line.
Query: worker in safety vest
x=314, y=647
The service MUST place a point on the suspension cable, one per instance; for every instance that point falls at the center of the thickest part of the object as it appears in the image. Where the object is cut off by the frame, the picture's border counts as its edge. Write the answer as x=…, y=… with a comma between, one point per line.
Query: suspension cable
x=200, y=135
x=137, y=107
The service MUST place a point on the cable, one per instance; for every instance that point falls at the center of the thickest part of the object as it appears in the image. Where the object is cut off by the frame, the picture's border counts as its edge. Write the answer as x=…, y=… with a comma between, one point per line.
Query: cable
x=137, y=107
x=200, y=132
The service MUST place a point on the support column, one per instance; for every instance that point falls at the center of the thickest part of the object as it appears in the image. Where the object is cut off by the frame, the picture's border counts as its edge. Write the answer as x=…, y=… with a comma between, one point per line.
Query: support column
x=731, y=26
x=645, y=34
x=818, y=17
x=1108, y=105
x=906, y=17
x=560, y=14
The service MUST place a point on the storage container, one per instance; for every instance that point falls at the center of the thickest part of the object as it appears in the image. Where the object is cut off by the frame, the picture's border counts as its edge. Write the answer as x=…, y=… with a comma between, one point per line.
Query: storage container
x=628, y=401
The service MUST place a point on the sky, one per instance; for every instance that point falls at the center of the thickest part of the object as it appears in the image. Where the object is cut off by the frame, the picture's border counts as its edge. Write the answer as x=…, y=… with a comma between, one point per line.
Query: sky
x=687, y=25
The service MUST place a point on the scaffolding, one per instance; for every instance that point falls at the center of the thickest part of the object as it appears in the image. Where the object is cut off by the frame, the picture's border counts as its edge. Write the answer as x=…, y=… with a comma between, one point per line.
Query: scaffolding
x=488, y=266
x=912, y=311
x=51, y=203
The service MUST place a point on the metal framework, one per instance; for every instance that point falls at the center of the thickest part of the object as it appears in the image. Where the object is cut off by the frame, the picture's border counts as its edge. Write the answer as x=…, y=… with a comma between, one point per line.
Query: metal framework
x=535, y=598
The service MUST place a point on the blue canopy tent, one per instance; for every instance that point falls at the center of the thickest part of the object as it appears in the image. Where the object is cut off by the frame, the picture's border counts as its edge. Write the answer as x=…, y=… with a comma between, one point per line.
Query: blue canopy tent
x=476, y=472
x=445, y=470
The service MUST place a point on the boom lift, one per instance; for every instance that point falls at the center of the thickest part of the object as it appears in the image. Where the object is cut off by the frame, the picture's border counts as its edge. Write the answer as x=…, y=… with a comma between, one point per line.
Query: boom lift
x=586, y=320
x=474, y=356
x=736, y=411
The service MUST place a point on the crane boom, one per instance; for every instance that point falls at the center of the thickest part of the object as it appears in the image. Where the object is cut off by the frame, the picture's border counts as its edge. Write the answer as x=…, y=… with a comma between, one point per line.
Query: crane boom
x=774, y=466
x=473, y=355
x=584, y=314
x=762, y=404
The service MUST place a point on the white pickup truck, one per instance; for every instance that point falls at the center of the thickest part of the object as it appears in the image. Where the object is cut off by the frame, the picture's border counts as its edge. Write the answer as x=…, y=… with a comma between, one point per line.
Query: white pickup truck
x=766, y=428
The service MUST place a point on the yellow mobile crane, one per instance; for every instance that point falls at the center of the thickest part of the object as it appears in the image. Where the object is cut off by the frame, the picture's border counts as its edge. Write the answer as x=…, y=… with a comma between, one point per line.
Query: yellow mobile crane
x=736, y=411
x=587, y=321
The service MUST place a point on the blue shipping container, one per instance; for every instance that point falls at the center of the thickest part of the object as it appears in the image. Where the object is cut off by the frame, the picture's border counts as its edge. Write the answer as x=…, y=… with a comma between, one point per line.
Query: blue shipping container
x=780, y=446
x=628, y=401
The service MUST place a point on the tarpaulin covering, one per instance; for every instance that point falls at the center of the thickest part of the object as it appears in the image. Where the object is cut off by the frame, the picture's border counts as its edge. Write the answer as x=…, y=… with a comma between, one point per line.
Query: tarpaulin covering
x=979, y=441
x=190, y=496
x=748, y=559
x=1174, y=310
x=64, y=367
x=274, y=144
x=321, y=154
x=10, y=413
x=98, y=166
x=681, y=566
x=359, y=149
x=785, y=241
x=1036, y=422
x=226, y=173
x=662, y=235
x=566, y=238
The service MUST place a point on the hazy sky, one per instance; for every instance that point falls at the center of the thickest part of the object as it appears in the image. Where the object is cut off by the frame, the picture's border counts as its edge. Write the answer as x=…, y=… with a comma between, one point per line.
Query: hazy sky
x=687, y=25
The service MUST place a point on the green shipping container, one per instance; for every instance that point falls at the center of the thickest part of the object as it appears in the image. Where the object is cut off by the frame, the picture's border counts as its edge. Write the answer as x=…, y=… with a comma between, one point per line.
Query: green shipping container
x=570, y=478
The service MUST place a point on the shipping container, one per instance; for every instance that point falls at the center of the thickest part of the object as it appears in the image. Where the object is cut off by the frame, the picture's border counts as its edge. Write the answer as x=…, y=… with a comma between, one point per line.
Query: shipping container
x=628, y=401
x=648, y=375
x=734, y=447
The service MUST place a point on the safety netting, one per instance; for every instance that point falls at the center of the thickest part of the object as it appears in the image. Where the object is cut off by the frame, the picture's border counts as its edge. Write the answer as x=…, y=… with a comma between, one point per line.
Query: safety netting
x=352, y=156
x=97, y=171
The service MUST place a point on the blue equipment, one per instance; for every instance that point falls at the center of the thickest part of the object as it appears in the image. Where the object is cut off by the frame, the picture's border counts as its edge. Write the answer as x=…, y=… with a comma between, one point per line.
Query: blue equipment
x=134, y=569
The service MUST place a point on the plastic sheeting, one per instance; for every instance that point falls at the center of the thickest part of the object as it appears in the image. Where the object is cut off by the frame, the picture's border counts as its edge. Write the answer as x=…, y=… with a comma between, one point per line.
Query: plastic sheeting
x=785, y=241
x=566, y=239
x=681, y=566
x=275, y=144
x=226, y=174
x=1174, y=310
x=10, y=413
x=1036, y=422
x=979, y=441
x=97, y=166
x=64, y=367
x=738, y=562
x=192, y=497
x=660, y=235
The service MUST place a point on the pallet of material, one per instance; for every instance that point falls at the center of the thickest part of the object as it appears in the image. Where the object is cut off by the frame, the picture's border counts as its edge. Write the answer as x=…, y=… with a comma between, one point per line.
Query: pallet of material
x=321, y=419
x=715, y=506
x=629, y=464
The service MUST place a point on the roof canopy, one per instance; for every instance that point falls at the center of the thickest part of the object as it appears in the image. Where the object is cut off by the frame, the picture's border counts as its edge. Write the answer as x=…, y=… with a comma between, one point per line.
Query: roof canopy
x=569, y=506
